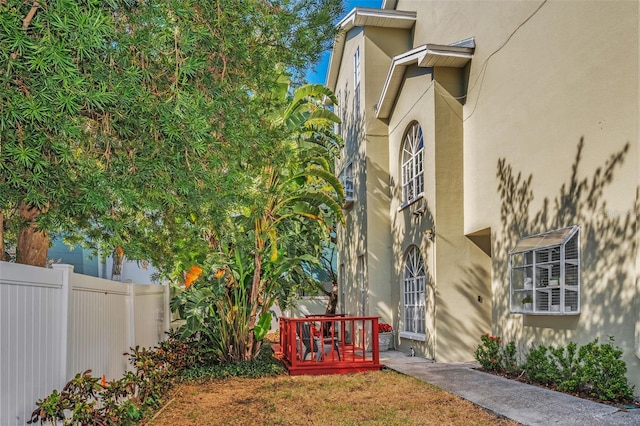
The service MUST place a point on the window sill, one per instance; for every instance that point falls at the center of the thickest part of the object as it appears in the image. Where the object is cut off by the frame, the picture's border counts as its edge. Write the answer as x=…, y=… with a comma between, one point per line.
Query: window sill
x=412, y=336
x=546, y=313
x=410, y=202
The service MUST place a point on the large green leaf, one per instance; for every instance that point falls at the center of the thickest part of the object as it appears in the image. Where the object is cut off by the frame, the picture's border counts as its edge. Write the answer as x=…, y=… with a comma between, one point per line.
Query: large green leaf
x=304, y=93
x=263, y=326
x=327, y=177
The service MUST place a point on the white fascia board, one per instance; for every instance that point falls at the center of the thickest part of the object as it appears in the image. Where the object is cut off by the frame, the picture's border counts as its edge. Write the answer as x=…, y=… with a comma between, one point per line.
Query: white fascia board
x=362, y=17
x=439, y=55
x=389, y=4
x=394, y=78
x=427, y=55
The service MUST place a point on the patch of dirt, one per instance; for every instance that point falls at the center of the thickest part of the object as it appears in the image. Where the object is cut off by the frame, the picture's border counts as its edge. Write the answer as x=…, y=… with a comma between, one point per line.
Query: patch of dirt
x=373, y=398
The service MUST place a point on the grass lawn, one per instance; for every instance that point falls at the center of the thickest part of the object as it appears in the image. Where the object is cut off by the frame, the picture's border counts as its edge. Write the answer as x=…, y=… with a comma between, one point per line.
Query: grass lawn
x=373, y=398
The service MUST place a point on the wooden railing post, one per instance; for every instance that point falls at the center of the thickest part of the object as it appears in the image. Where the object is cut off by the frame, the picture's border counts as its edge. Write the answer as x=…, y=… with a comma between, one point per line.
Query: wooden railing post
x=376, y=343
x=354, y=348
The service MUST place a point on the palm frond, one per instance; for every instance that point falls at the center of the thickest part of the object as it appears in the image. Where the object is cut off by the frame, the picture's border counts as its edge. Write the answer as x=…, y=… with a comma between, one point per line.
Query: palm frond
x=325, y=176
x=304, y=94
x=323, y=116
x=316, y=199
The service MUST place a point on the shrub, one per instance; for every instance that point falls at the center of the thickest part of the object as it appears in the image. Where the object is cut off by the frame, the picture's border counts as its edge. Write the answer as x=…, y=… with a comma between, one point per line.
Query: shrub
x=264, y=365
x=594, y=370
x=509, y=362
x=77, y=397
x=494, y=356
x=569, y=368
x=603, y=372
x=88, y=400
x=540, y=367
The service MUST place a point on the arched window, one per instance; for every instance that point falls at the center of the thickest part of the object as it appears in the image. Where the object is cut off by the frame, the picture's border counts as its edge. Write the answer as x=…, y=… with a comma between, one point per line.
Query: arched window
x=413, y=292
x=412, y=164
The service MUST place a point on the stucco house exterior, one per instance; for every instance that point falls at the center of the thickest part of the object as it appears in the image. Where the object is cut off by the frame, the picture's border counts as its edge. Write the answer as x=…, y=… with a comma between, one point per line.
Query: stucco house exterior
x=491, y=153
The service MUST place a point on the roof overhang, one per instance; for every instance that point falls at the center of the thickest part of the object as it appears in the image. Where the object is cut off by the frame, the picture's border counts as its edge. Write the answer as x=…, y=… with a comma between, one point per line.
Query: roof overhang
x=363, y=17
x=426, y=56
x=389, y=4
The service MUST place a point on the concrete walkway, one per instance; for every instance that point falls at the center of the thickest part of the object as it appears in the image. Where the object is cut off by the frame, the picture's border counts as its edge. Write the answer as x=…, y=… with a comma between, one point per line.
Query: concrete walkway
x=526, y=404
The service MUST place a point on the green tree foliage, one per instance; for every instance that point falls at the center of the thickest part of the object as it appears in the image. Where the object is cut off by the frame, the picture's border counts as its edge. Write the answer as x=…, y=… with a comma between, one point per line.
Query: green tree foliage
x=292, y=198
x=127, y=121
x=50, y=58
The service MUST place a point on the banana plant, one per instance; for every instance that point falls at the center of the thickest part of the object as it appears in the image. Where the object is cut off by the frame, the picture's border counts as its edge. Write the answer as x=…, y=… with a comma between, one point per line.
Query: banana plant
x=293, y=197
x=305, y=188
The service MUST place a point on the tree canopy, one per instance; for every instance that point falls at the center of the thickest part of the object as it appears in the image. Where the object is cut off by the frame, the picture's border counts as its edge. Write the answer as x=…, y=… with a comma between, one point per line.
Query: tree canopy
x=128, y=122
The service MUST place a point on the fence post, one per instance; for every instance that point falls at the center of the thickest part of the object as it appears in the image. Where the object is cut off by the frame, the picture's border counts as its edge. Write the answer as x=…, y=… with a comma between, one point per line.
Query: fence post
x=131, y=326
x=166, y=309
x=66, y=320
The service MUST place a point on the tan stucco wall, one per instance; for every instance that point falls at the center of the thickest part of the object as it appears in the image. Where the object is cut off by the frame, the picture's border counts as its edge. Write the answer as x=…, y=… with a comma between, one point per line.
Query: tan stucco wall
x=545, y=75
x=367, y=229
x=380, y=46
x=352, y=238
x=408, y=229
x=457, y=271
x=463, y=308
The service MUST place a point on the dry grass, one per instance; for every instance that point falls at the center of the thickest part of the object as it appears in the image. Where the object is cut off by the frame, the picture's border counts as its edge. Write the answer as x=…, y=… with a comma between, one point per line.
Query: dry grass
x=374, y=398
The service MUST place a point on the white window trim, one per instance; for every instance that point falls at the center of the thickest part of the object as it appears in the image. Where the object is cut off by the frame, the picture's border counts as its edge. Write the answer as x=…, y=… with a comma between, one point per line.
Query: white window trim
x=407, y=204
x=413, y=336
x=338, y=112
x=413, y=147
x=532, y=266
x=415, y=280
x=347, y=181
x=356, y=68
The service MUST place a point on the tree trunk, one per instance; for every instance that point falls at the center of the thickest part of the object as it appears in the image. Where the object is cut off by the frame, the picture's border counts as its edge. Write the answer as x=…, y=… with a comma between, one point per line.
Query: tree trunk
x=333, y=299
x=331, y=306
x=116, y=269
x=253, y=301
x=33, y=244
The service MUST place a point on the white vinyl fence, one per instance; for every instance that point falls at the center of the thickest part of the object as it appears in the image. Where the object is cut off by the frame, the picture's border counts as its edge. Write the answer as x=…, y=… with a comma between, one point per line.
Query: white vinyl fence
x=55, y=323
x=308, y=305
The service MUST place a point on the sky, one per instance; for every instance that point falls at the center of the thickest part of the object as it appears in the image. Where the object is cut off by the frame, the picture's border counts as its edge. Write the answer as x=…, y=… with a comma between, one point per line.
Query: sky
x=320, y=73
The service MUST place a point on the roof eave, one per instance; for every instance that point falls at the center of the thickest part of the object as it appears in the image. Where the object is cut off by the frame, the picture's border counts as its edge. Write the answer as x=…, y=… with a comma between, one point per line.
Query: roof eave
x=389, y=4
x=427, y=55
x=362, y=17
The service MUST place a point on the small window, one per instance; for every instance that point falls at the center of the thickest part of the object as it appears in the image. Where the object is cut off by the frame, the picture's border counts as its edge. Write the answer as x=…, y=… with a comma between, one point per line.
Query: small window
x=346, y=178
x=545, y=273
x=356, y=68
x=356, y=84
x=412, y=164
x=340, y=113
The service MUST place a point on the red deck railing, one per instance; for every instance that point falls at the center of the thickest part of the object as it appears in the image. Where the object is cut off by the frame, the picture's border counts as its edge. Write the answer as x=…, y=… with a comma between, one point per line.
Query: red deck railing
x=329, y=344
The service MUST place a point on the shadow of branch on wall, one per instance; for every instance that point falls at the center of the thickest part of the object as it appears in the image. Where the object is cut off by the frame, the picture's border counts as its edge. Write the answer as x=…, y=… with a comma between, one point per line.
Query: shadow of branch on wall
x=475, y=276
x=607, y=250
x=408, y=230
x=353, y=234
